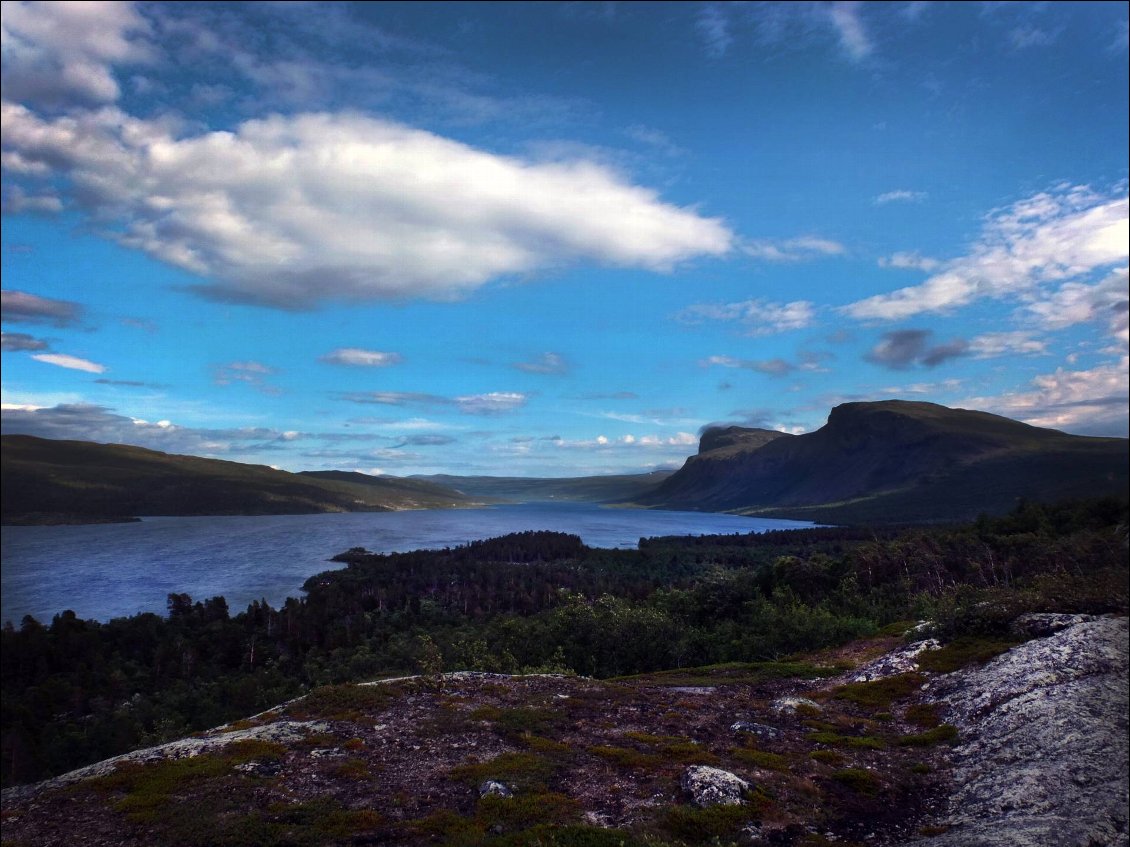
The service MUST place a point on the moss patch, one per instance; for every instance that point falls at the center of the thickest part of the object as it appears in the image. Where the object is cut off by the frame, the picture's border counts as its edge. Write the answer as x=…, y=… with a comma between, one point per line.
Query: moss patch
x=962, y=652
x=880, y=693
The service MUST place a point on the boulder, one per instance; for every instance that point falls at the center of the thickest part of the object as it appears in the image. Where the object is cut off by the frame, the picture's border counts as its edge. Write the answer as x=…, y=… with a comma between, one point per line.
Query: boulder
x=759, y=729
x=789, y=705
x=713, y=786
x=896, y=662
x=493, y=788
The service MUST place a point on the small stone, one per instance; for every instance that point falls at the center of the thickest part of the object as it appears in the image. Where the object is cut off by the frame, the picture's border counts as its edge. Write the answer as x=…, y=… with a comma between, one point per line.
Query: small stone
x=709, y=786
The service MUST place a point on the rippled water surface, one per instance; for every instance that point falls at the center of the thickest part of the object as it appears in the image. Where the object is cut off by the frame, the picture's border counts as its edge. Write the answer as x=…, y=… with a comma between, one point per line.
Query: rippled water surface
x=110, y=570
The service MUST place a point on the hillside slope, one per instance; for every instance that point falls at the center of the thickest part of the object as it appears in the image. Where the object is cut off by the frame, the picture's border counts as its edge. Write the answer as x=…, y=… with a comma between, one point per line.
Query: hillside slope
x=48, y=481
x=894, y=461
x=587, y=489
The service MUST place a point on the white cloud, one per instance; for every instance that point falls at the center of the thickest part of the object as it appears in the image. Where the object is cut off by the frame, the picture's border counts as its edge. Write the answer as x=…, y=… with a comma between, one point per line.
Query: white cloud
x=770, y=367
x=493, y=403
x=761, y=317
x=909, y=261
x=17, y=201
x=804, y=248
x=1074, y=303
x=361, y=358
x=1052, y=237
x=74, y=363
x=59, y=53
x=292, y=210
x=254, y=374
x=1092, y=402
x=546, y=363
x=845, y=17
x=901, y=195
x=713, y=25
x=993, y=344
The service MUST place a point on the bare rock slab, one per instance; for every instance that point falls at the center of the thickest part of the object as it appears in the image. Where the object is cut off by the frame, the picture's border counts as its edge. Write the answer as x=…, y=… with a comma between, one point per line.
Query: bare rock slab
x=1045, y=742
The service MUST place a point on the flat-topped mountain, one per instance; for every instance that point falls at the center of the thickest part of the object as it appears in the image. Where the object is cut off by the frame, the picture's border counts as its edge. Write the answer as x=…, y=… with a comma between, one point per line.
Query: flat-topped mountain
x=893, y=461
x=50, y=481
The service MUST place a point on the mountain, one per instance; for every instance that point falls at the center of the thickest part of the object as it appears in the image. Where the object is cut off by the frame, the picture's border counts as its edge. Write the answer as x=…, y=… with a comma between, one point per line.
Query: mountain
x=49, y=481
x=589, y=489
x=891, y=462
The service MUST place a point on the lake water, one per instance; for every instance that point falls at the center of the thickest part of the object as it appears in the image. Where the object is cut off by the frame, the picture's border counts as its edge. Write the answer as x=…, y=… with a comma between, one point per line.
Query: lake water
x=105, y=571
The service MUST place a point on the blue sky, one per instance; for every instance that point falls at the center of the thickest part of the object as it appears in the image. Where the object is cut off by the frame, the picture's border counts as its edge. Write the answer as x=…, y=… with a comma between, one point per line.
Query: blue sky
x=555, y=239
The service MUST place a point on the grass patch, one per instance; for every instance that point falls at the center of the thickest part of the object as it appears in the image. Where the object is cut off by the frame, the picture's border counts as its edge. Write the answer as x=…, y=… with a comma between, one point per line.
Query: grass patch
x=346, y=702
x=515, y=721
x=962, y=652
x=924, y=715
x=626, y=757
x=859, y=780
x=735, y=673
x=880, y=693
x=761, y=758
x=944, y=734
x=867, y=742
x=148, y=788
x=827, y=757
x=716, y=823
x=540, y=744
x=355, y=770
x=526, y=771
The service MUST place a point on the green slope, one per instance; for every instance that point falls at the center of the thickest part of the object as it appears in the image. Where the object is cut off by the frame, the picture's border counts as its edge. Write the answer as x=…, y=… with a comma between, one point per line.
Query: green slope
x=893, y=462
x=48, y=481
x=588, y=489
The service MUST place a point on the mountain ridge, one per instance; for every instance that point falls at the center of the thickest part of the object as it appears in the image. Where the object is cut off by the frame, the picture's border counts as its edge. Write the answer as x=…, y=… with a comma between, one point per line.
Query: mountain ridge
x=893, y=461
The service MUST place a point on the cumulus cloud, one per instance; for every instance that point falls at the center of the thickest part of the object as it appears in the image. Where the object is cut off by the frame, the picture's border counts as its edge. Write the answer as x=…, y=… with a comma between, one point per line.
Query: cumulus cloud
x=12, y=342
x=59, y=54
x=357, y=357
x=905, y=348
x=901, y=195
x=17, y=201
x=546, y=363
x=1089, y=402
x=803, y=248
x=760, y=317
x=74, y=363
x=1105, y=302
x=289, y=211
x=1054, y=237
x=21, y=307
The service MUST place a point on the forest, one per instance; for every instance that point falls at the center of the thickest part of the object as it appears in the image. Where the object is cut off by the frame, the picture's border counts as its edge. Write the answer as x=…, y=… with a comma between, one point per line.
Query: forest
x=77, y=691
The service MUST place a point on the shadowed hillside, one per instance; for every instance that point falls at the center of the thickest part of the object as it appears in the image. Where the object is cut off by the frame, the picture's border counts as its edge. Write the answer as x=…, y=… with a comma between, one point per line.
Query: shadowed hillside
x=47, y=481
x=588, y=489
x=893, y=461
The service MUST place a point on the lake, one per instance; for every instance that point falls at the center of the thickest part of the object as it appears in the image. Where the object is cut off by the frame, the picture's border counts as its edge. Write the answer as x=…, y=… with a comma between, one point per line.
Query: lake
x=106, y=571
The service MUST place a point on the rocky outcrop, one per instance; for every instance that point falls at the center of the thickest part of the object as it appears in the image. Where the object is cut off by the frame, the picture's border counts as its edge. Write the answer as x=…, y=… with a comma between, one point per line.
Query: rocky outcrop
x=1044, y=741
x=282, y=732
x=902, y=660
x=713, y=786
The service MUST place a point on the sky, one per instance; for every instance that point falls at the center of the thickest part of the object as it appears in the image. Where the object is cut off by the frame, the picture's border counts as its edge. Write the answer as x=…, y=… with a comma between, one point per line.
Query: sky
x=555, y=239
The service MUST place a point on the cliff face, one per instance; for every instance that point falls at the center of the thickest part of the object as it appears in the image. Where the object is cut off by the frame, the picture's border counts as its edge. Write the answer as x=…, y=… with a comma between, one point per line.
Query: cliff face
x=893, y=461
x=764, y=753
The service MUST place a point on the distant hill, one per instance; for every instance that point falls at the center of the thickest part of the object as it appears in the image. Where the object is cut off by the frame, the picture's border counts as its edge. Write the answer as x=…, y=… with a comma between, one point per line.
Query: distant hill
x=588, y=489
x=891, y=462
x=48, y=481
